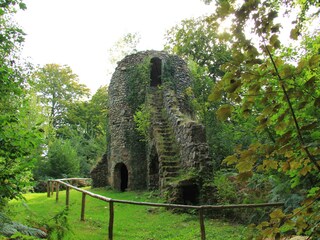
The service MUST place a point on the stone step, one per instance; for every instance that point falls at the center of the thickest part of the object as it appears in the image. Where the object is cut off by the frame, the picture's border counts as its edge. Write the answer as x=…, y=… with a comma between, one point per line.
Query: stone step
x=169, y=164
x=168, y=139
x=169, y=149
x=166, y=145
x=164, y=130
x=169, y=153
x=166, y=135
x=170, y=168
x=170, y=174
x=161, y=124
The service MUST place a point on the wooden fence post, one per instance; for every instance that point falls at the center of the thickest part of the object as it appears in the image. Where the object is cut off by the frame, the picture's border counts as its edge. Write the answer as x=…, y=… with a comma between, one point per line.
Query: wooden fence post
x=111, y=219
x=83, y=206
x=52, y=187
x=48, y=188
x=202, y=227
x=57, y=191
x=67, y=196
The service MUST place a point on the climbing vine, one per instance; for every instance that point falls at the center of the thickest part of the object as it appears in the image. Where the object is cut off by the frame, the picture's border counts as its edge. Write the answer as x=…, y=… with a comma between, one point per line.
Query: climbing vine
x=142, y=118
x=138, y=78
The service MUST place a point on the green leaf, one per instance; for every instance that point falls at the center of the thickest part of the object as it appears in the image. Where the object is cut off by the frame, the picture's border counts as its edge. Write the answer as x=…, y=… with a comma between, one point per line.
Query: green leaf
x=317, y=102
x=311, y=82
x=22, y=6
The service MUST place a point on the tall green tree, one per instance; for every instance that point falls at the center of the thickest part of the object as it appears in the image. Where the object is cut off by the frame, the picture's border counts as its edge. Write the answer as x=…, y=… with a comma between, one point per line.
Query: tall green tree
x=58, y=87
x=87, y=121
x=197, y=40
x=63, y=159
x=279, y=86
x=20, y=134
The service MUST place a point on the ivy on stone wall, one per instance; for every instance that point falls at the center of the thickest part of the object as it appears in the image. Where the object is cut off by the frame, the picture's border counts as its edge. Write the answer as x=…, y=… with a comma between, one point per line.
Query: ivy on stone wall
x=168, y=74
x=138, y=78
x=142, y=118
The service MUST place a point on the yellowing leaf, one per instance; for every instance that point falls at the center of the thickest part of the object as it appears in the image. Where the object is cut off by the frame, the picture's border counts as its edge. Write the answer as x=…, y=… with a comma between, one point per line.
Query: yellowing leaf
x=277, y=213
x=224, y=112
x=301, y=65
x=294, y=33
x=230, y=160
x=305, y=170
x=289, y=154
x=270, y=164
x=227, y=77
x=244, y=166
x=244, y=176
x=314, y=61
x=285, y=166
x=301, y=224
x=233, y=86
x=263, y=225
x=215, y=95
x=286, y=71
x=294, y=165
x=274, y=41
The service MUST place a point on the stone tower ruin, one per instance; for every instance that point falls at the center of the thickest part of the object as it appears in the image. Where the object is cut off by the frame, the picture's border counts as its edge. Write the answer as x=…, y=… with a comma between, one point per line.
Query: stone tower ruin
x=173, y=156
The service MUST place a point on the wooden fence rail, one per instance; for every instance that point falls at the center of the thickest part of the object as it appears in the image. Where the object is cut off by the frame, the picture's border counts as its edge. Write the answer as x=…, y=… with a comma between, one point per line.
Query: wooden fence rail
x=56, y=183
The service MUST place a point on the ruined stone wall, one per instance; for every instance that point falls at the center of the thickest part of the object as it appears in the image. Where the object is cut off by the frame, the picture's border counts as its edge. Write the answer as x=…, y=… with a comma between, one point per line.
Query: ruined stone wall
x=127, y=91
x=190, y=136
x=125, y=144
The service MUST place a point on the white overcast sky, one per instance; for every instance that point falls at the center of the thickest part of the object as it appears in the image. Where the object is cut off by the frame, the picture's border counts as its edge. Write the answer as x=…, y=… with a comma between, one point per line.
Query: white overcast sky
x=78, y=33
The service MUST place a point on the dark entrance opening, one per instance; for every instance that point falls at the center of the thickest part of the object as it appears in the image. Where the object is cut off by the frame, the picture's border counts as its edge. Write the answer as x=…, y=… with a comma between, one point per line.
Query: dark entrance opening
x=124, y=178
x=155, y=73
x=121, y=177
x=154, y=170
x=190, y=194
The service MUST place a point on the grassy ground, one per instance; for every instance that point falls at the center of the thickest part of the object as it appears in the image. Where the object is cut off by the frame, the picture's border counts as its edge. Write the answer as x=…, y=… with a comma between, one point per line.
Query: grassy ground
x=131, y=222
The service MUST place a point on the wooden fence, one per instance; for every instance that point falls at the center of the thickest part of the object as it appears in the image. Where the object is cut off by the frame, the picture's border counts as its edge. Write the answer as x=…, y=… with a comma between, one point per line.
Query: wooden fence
x=55, y=184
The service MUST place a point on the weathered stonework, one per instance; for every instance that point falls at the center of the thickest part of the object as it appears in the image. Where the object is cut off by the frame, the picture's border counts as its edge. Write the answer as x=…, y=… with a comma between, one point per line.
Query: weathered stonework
x=176, y=145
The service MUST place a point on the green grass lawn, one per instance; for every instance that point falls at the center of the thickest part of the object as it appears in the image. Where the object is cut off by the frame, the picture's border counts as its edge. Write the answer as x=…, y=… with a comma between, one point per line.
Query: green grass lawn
x=131, y=221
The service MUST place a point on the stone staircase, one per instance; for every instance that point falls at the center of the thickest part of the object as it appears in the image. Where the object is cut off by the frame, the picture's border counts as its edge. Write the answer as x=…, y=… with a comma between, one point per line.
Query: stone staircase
x=166, y=147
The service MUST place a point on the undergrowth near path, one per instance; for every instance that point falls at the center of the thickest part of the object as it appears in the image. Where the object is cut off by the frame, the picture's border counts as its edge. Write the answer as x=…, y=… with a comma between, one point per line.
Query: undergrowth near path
x=131, y=222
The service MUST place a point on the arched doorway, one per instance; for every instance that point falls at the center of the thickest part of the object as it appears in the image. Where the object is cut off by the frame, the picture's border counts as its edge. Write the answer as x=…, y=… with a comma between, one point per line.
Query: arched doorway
x=121, y=177
x=155, y=73
x=190, y=194
x=153, y=169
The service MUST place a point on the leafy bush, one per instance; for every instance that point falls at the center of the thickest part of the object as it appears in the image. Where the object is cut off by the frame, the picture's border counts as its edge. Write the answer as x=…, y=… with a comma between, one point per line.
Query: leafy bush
x=63, y=159
x=142, y=118
x=226, y=189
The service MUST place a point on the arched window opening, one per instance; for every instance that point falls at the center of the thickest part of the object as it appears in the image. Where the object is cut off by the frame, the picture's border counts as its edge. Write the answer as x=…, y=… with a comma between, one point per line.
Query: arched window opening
x=156, y=71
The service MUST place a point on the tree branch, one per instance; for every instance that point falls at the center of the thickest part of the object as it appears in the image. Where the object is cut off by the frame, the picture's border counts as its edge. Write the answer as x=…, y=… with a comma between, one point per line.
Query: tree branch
x=300, y=137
